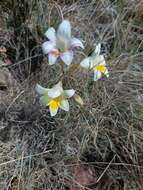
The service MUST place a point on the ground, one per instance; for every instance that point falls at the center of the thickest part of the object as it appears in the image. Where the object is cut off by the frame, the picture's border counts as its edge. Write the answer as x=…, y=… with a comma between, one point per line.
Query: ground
x=95, y=146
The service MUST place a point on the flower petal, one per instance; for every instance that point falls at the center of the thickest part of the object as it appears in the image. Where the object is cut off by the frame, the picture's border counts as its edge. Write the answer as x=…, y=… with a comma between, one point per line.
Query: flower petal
x=97, y=60
x=86, y=63
x=97, y=50
x=40, y=90
x=53, y=112
x=52, y=58
x=69, y=93
x=51, y=34
x=64, y=104
x=59, y=85
x=45, y=100
x=64, y=29
x=56, y=91
x=106, y=73
x=102, y=60
x=76, y=43
x=97, y=75
x=47, y=47
x=67, y=57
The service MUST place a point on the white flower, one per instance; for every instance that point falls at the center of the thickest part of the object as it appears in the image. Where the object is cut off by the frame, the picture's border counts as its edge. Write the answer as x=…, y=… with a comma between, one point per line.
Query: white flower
x=60, y=44
x=55, y=97
x=96, y=62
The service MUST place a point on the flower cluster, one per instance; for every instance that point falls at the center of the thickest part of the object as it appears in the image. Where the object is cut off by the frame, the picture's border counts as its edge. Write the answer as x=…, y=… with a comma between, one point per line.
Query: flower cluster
x=60, y=44
x=55, y=97
x=60, y=47
x=96, y=62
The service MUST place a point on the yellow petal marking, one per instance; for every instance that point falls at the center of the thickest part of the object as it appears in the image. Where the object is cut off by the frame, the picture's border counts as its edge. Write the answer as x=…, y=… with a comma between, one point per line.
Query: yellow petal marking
x=55, y=103
x=100, y=68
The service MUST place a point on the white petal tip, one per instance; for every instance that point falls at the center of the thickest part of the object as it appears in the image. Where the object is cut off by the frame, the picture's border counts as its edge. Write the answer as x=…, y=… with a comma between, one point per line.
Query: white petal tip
x=51, y=34
x=67, y=57
x=40, y=90
x=52, y=58
x=69, y=93
x=64, y=105
x=97, y=49
x=76, y=43
x=47, y=47
x=53, y=113
x=85, y=63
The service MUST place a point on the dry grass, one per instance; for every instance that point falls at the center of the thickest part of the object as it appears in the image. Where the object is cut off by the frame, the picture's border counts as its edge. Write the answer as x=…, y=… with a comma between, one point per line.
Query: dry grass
x=37, y=151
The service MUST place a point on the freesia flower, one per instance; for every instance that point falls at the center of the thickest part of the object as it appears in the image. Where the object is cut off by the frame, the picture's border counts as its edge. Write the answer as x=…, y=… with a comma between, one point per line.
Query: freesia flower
x=55, y=97
x=96, y=62
x=60, y=44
